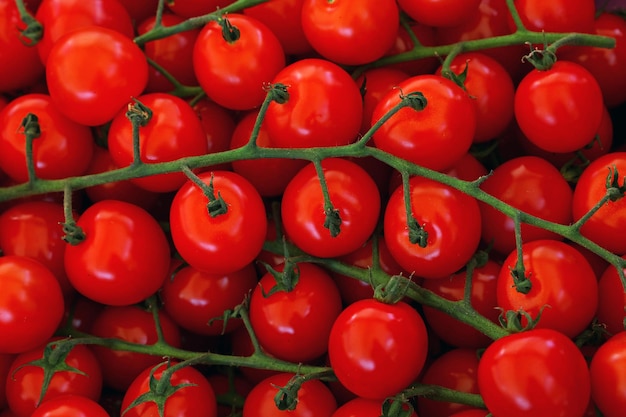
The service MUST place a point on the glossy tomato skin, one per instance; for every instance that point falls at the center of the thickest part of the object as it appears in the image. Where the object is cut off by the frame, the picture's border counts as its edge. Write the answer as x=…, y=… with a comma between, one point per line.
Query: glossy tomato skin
x=233, y=73
x=294, y=325
x=352, y=192
x=377, y=349
x=453, y=234
x=611, y=301
x=537, y=372
x=362, y=407
x=557, y=16
x=435, y=137
x=70, y=406
x=608, y=380
x=124, y=257
x=350, y=35
x=562, y=280
x=192, y=298
x=135, y=325
x=606, y=225
x=543, y=116
x=25, y=381
x=313, y=116
x=93, y=72
x=314, y=399
x=195, y=400
x=438, y=13
x=226, y=242
x=31, y=303
x=174, y=131
x=62, y=150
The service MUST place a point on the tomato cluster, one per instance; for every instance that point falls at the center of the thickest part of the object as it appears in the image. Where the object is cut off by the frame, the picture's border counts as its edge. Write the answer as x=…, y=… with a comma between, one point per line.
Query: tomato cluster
x=400, y=207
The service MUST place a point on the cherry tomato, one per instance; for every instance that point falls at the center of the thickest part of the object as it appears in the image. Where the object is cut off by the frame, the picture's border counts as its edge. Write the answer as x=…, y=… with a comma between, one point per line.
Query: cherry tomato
x=607, y=376
x=377, y=349
x=124, y=257
x=218, y=124
x=611, y=301
x=438, y=13
x=193, y=8
x=563, y=285
x=225, y=242
x=539, y=372
x=404, y=43
x=435, y=137
x=559, y=109
x=294, y=324
x=453, y=234
x=31, y=304
x=233, y=72
x=70, y=406
x=557, y=16
x=362, y=407
x=350, y=35
x=353, y=194
x=93, y=72
x=195, y=397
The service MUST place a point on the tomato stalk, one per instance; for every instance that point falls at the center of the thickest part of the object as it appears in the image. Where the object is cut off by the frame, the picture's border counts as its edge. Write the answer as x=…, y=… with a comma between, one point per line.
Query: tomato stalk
x=216, y=205
x=521, y=281
x=33, y=30
x=139, y=115
x=73, y=233
x=31, y=129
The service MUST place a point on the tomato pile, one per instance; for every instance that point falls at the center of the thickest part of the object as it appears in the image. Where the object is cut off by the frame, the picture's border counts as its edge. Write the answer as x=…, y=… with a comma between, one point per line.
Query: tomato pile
x=312, y=208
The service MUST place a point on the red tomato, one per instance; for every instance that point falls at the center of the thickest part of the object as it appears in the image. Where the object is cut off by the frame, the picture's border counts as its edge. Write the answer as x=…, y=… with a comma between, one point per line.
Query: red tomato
x=173, y=53
x=193, y=8
x=25, y=67
x=483, y=299
x=218, y=124
x=313, y=116
x=556, y=16
x=377, y=349
x=192, y=298
x=606, y=225
x=314, y=399
x=93, y=72
x=233, y=72
x=31, y=304
x=455, y=369
x=135, y=325
x=25, y=382
x=539, y=372
x=562, y=281
x=362, y=407
x=124, y=257
x=439, y=13
x=608, y=379
x=354, y=195
x=611, y=301
x=62, y=150
x=436, y=137
x=173, y=132
x=195, y=398
x=492, y=90
x=453, y=234
x=559, y=109
x=294, y=324
x=139, y=10
x=350, y=35
x=224, y=243
x=532, y=185
x=59, y=17
x=70, y=406
x=404, y=43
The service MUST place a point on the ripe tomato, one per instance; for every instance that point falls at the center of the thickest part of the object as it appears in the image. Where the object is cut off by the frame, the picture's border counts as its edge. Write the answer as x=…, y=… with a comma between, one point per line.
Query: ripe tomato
x=606, y=225
x=70, y=406
x=93, y=72
x=453, y=234
x=557, y=16
x=436, y=137
x=377, y=349
x=314, y=399
x=124, y=257
x=313, y=115
x=193, y=8
x=224, y=243
x=31, y=304
x=218, y=124
x=404, y=43
x=174, y=131
x=559, y=109
x=192, y=298
x=135, y=325
x=611, y=301
x=362, y=407
x=354, y=195
x=438, y=13
x=294, y=324
x=562, y=280
x=195, y=399
x=538, y=372
x=350, y=35
x=62, y=150
x=25, y=382
x=532, y=185
x=233, y=72
x=608, y=381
